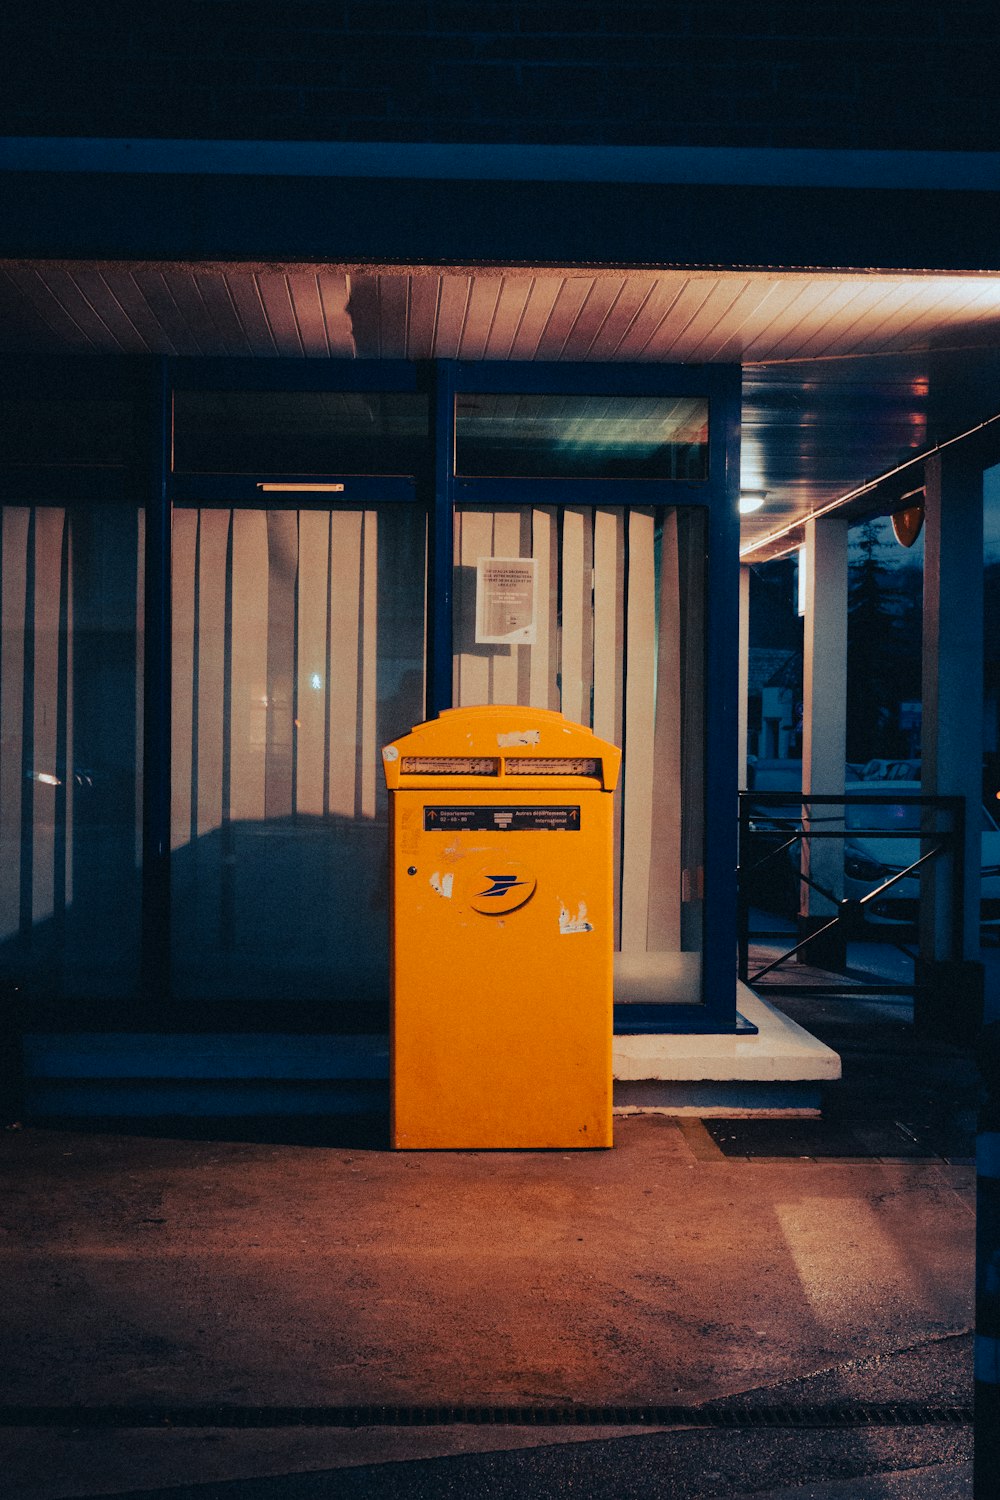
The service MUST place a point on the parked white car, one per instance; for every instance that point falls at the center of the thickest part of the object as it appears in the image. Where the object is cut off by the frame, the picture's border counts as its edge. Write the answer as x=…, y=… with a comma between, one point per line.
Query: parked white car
x=869, y=859
x=889, y=770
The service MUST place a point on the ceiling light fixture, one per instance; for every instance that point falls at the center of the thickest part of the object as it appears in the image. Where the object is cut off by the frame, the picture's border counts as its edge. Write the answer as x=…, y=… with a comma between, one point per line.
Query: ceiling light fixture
x=908, y=521
x=751, y=500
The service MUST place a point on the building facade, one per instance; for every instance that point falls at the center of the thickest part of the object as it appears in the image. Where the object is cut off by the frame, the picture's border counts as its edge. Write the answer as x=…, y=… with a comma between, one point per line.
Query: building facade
x=300, y=320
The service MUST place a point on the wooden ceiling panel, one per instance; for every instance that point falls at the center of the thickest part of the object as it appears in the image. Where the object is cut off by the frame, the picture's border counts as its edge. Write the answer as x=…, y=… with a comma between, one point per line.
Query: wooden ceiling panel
x=671, y=330
x=716, y=312
x=181, y=288
x=121, y=290
x=24, y=327
x=393, y=308
x=421, y=328
x=484, y=297
x=95, y=329
x=452, y=309
x=654, y=312
x=597, y=312
x=900, y=319
x=314, y=312
x=984, y=312
x=630, y=301
x=902, y=309
x=558, y=330
x=335, y=295
x=836, y=388
x=932, y=313
x=756, y=307
x=307, y=308
x=84, y=289
x=543, y=293
x=508, y=316
x=365, y=316
x=796, y=320
x=153, y=288
x=245, y=293
x=838, y=327
x=218, y=303
x=277, y=302
x=44, y=300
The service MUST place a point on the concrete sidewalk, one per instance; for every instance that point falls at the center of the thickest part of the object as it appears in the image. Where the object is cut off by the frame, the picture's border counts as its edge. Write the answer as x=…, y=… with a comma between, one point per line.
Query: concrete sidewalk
x=148, y=1272
x=807, y=1269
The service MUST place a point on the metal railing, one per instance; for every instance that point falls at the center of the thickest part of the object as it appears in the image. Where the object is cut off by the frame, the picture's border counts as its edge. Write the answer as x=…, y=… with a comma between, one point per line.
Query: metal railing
x=771, y=836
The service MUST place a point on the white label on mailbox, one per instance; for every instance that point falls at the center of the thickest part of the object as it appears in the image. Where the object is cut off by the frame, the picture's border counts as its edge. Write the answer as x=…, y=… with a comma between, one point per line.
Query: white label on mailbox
x=518, y=737
x=579, y=923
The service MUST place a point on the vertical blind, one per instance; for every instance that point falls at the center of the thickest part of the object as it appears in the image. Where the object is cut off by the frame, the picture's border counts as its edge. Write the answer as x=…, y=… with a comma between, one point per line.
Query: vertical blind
x=619, y=647
x=298, y=647
x=71, y=602
x=297, y=652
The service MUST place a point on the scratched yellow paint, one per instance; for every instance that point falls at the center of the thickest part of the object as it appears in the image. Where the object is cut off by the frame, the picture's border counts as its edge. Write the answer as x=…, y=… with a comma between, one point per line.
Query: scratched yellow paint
x=501, y=932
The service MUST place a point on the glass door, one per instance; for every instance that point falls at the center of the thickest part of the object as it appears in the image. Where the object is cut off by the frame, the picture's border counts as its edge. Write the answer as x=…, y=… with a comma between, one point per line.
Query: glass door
x=620, y=647
x=298, y=650
x=71, y=650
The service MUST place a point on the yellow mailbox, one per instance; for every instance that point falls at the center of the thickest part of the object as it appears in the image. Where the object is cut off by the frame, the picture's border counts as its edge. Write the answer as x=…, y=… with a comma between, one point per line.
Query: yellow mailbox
x=502, y=928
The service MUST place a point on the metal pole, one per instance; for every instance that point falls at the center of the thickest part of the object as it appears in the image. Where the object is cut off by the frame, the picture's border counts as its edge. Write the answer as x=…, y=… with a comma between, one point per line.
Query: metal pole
x=742, y=894
x=958, y=818
x=440, y=561
x=156, y=698
x=986, y=1466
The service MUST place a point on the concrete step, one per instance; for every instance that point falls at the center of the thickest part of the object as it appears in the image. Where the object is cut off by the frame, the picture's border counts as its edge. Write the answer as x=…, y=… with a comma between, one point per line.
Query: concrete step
x=776, y=1071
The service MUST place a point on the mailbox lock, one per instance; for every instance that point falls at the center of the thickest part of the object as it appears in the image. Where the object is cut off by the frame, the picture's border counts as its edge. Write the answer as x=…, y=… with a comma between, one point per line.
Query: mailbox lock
x=412, y=870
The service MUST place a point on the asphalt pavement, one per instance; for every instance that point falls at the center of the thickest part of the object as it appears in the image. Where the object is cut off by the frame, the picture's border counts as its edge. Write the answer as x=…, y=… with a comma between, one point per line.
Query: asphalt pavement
x=712, y=1309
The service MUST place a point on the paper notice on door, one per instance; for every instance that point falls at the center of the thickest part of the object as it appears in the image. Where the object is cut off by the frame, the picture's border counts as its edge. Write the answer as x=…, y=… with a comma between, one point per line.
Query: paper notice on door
x=506, y=601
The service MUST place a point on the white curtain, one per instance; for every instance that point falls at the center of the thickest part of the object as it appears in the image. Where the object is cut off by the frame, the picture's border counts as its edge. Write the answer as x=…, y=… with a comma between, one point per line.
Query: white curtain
x=618, y=648
x=297, y=652
x=71, y=743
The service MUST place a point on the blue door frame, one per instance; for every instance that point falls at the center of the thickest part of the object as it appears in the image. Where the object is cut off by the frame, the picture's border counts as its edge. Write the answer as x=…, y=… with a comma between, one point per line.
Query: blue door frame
x=718, y=494
x=437, y=488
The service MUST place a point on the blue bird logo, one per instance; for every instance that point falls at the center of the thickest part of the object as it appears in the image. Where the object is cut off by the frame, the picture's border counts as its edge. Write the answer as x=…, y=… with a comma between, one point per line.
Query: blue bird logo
x=501, y=885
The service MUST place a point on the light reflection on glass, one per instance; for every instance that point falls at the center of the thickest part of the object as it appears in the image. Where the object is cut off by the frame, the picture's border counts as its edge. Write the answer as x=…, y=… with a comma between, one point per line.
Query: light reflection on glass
x=590, y=437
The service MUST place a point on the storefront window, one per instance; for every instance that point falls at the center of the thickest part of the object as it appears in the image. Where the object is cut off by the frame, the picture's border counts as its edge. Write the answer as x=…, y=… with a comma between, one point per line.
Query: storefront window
x=296, y=638
x=39, y=432
x=298, y=651
x=618, y=645
x=299, y=432
x=71, y=587
x=581, y=437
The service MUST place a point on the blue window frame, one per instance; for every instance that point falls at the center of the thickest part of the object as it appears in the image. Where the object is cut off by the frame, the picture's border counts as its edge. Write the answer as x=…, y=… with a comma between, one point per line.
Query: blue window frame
x=716, y=495
x=708, y=487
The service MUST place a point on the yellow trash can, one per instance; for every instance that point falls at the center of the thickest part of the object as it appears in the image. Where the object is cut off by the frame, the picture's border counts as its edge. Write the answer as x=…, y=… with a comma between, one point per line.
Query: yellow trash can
x=501, y=931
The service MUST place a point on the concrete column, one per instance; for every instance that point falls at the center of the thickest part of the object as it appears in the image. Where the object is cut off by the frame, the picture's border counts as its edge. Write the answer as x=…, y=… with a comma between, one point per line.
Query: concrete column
x=952, y=735
x=744, y=675
x=824, y=730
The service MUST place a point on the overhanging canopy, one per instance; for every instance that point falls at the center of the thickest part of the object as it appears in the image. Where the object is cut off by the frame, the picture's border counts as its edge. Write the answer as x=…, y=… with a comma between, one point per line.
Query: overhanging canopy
x=845, y=373
x=859, y=290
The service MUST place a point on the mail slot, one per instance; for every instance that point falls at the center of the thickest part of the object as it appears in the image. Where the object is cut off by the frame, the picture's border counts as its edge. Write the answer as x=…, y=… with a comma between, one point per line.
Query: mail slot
x=502, y=931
